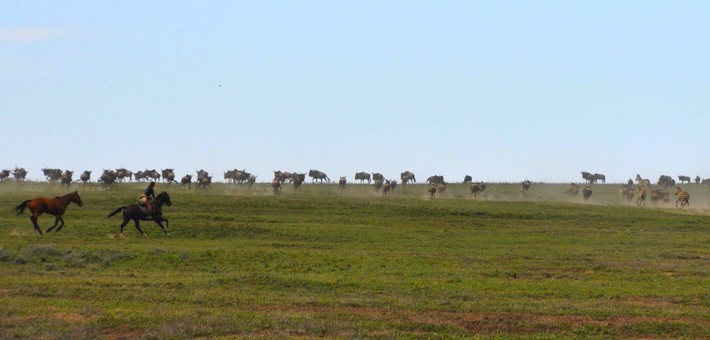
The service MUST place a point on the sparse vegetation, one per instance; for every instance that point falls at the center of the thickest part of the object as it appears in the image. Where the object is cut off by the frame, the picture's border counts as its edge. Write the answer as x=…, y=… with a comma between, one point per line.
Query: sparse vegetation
x=320, y=263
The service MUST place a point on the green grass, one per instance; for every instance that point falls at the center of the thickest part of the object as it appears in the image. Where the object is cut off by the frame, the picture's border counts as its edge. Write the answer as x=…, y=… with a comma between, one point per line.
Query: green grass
x=320, y=263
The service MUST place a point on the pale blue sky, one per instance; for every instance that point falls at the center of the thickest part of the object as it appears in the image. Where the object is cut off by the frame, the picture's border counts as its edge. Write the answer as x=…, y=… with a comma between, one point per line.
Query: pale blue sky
x=499, y=90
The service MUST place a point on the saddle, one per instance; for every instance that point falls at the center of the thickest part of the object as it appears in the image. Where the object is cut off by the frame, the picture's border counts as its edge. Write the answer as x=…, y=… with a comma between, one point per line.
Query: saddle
x=144, y=209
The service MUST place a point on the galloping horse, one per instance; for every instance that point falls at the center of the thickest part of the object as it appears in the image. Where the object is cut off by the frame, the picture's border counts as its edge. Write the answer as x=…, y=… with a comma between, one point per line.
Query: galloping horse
x=53, y=206
x=134, y=212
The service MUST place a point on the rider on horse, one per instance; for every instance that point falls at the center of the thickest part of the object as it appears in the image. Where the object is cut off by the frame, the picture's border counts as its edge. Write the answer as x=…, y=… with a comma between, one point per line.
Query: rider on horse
x=147, y=198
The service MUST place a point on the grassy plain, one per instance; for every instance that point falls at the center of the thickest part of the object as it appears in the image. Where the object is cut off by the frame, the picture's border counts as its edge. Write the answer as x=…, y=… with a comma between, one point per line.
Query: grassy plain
x=321, y=263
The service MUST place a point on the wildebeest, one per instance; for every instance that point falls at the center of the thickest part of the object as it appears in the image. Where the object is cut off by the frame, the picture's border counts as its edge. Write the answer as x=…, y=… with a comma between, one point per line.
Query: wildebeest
x=682, y=196
x=202, y=174
x=205, y=182
x=658, y=194
x=376, y=176
x=697, y=180
x=626, y=192
x=683, y=179
x=467, y=179
x=318, y=175
x=599, y=177
x=407, y=177
x=362, y=176
x=435, y=179
x=66, y=178
x=4, y=174
x=379, y=184
x=168, y=175
x=186, y=180
x=297, y=180
x=135, y=213
x=588, y=177
x=123, y=173
x=341, y=183
x=705, y=181
x=108, y=179
x=53, y=206
x=587, y=192
x=666, y=181
x=477, y=188
x=85, y=177
x=19, y=174
x=52, y=175
x=276, y=185
x=250, y=181
x=526, y=186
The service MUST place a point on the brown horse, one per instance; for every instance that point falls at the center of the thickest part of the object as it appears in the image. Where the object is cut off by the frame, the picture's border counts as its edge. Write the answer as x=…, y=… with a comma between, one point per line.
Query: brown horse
x=53, y=206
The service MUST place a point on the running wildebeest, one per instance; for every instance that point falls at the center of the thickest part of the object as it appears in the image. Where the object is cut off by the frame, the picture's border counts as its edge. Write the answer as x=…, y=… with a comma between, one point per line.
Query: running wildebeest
x=136, y=213
x=341, y=183
x=53, y=206
x=85, y=177
x=186, y=180
x=407, y=177
x=318, y=175
x=362, y=176
x=587, y=192
x=276, y=185
x=5, y=174
x=526, y=186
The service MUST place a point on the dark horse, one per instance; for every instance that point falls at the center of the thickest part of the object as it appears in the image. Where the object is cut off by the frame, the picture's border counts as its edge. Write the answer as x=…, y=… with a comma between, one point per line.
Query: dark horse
x=135, y=213
x=53, y=206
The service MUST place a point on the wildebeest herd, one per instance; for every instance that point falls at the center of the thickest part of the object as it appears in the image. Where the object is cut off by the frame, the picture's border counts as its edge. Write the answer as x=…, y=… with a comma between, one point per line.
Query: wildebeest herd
x=109, y=179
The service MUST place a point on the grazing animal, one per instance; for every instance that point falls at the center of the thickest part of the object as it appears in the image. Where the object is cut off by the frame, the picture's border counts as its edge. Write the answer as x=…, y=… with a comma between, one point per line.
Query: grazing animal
x=666, y=181
x=432, y=191
x=19, y=174
x=573, y=190
x=440, y=188
x=435, y=179
x=318, y=175
x=467, y=179
x=526, y=187
x=186, y=180
x=276, y=185
x=53, y=206
x=681, y=196
x=477, y=188
x=362, y=176
x=85, y=177
x=341, y=183
x=683, y=179
x=407, y=177
x=5, y=174
x=599, y=177
x=168, y=176
x=587, y=192
x=588, y=177
x=378, y=177
x=135, y=213
x=642, y=181
x=205, y=182
x=641, y=196
x=386, y=188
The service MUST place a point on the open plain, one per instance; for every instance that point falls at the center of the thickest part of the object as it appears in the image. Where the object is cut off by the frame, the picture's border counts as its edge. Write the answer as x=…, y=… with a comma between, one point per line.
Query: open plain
x=324, y=263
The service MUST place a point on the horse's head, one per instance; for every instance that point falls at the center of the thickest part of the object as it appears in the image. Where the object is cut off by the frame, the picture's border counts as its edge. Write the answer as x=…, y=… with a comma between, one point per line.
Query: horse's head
x=164, y=198
x=76, y=199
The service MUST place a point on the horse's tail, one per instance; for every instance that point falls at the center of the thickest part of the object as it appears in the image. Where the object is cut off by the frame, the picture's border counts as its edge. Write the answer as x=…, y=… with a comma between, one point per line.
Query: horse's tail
x=115, y=212
x=21, y=208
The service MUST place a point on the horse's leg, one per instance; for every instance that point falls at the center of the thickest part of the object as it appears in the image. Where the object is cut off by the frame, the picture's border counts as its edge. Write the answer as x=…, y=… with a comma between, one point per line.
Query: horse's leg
x=138, y=226
x=123, y=225
x=159, y=221
x=61, y=219
x=33, y=218
x=56, y=222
